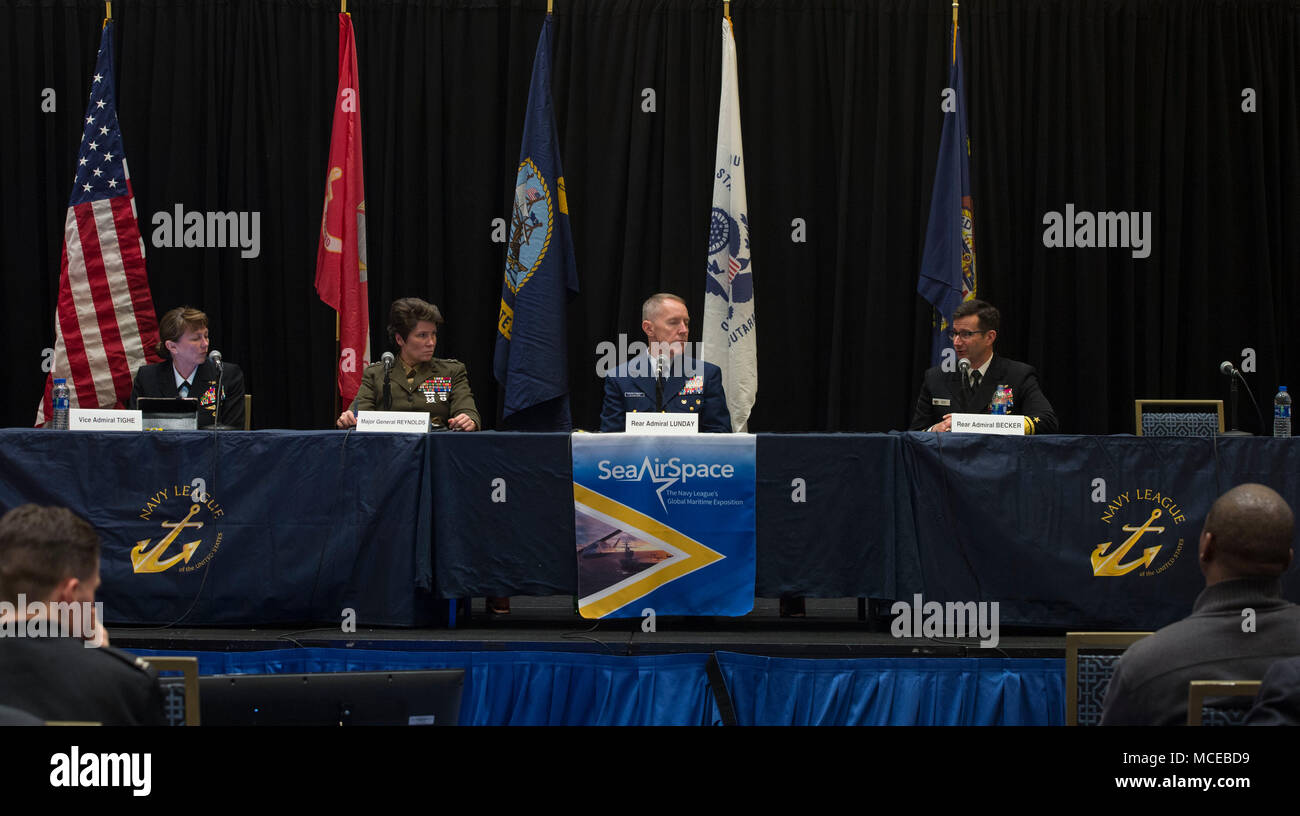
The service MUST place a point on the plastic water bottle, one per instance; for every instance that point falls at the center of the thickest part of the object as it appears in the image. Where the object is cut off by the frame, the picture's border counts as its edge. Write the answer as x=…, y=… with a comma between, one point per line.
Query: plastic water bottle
x=1008, y=401
x=60, y=397
x=1282, y=413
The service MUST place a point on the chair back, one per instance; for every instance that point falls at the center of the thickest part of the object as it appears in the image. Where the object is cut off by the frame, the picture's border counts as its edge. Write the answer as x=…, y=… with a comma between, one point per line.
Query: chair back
x=180, y=694
x=1090, y=659
x=1178, y=417
x=1209, y=702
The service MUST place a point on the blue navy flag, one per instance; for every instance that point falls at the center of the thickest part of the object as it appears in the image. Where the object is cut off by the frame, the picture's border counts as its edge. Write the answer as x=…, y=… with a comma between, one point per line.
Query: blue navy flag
x=948, y=264
x=540, y=274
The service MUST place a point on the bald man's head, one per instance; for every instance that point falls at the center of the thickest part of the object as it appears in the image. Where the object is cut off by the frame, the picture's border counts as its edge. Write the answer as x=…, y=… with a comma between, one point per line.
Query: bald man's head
x=1247, y=534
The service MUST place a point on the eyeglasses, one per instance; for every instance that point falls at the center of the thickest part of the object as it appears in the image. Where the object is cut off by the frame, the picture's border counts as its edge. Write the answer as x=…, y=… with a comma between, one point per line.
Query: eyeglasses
x=965, y=335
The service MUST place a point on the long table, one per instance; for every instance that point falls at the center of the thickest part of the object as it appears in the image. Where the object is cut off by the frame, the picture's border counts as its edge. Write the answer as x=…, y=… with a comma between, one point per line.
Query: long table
x=324, y=526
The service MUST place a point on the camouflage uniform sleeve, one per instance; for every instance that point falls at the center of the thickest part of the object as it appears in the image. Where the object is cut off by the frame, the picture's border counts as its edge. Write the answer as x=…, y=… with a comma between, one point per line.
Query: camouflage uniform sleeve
x=462, y=398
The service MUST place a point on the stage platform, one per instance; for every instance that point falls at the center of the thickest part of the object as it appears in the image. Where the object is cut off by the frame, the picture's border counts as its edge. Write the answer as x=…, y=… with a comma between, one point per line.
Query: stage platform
x=831, y=628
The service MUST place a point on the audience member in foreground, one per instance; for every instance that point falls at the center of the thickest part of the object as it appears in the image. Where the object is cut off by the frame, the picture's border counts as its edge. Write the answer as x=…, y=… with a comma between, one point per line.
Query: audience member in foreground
x=1239, y=625
x=55, y=662
x=1278, y=701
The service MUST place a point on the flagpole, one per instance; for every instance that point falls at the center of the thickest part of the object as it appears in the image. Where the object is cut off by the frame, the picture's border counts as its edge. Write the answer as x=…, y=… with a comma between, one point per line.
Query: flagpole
x=108, y=10
x=550, y=7
x=726, y=9
x=954, y=31
x=338, y=335
x=338, y=350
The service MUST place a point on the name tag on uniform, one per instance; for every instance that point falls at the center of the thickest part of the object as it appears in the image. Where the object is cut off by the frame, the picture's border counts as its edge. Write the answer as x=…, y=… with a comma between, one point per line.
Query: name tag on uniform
x=940, y=401
x=393, y=421
x=633, y=393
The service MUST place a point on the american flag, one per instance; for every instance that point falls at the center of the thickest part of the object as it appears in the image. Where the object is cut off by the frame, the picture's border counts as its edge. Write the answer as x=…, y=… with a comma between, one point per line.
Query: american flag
x=105, y=326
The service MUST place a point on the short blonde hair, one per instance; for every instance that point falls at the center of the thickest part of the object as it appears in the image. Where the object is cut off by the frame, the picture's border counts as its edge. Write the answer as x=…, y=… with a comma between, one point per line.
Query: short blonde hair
x=175, y=323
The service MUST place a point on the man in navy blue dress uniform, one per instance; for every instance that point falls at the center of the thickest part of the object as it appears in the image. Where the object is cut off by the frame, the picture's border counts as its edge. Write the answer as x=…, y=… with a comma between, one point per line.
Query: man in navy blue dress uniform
x=665, y=378
x=974, y=329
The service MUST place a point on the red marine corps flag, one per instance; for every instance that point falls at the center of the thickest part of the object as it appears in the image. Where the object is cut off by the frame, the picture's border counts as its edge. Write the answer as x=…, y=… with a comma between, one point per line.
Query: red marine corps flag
x=105, y=326
x=341, y=259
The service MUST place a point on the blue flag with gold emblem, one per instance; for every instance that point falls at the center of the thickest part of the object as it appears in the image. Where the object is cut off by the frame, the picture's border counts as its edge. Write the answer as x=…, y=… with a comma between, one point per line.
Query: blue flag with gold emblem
x=540, y=274
x=948, y=264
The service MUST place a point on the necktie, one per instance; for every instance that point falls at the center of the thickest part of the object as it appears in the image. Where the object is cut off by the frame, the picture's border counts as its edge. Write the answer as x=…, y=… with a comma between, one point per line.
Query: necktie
x=184, y=390
x=974, y=380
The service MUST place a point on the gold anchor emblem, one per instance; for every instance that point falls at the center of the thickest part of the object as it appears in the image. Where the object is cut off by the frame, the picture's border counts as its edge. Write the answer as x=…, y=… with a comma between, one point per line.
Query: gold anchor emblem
x=1109, y=565
x=149, y=561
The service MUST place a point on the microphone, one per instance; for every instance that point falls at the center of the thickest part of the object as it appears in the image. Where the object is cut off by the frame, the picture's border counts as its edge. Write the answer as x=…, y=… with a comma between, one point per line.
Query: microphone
x=386, y=398
x=659, y=381
x=1233, y=374
x=215, y=357
x=964, y=366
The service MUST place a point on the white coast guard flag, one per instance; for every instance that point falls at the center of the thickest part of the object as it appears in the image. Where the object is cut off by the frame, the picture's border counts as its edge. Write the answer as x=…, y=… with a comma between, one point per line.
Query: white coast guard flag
x=729, y=334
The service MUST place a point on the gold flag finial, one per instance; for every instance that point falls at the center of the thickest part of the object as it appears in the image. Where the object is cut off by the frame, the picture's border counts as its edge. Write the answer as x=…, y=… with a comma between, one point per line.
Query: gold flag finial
x=550, y=6
x=954, y=32
x=108, y=10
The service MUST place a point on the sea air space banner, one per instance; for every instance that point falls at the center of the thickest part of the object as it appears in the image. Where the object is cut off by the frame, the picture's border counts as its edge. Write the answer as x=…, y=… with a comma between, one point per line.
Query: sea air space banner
x=664, y=523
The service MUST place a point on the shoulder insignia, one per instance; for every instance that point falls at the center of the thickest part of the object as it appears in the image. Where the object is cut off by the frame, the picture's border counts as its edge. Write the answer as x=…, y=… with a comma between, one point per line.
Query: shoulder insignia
x=137, y=663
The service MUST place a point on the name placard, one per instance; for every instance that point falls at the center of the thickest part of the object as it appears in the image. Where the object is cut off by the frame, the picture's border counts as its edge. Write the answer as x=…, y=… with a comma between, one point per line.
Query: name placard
x=393, y=421
x=1002, y=424
x=649, y=423
x=104, y=419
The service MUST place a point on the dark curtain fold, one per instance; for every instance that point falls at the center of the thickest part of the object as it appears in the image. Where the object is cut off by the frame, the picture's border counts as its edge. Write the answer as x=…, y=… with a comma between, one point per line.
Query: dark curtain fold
x=1108, y=105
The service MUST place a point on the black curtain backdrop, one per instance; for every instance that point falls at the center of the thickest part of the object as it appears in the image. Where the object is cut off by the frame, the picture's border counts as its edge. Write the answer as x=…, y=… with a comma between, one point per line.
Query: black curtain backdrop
x=1111, y=105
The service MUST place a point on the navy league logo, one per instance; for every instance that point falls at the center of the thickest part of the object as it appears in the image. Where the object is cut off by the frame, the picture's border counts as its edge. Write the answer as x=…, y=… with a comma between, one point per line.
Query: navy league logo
x=532, y=222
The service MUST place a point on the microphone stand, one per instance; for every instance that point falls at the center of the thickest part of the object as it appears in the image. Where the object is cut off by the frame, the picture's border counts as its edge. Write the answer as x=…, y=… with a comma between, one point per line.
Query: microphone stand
x=387, y=399
x=1232, y=409
x=217, y=424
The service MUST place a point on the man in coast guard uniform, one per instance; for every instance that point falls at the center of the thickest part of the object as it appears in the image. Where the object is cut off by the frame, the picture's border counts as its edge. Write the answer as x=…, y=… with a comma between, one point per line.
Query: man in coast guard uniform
x=689, y=386
x=944, y=393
